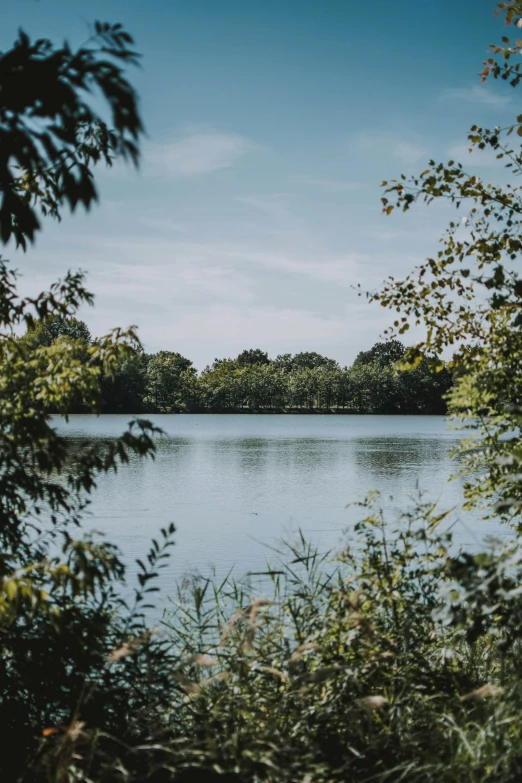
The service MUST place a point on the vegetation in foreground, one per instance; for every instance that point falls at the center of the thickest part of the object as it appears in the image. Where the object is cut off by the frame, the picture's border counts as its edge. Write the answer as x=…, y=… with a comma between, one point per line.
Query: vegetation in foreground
x=400, y=661
x=167, y=382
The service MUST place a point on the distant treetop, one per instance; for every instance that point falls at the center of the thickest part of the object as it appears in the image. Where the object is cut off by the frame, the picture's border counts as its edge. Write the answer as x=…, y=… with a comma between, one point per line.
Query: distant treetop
x=385, y=354
x=252, y=356
x=46, y=331
x=312, y=360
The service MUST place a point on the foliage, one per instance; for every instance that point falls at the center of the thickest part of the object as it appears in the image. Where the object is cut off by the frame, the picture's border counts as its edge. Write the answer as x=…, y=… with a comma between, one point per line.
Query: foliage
x=61, y=614
x=311, y=360
x=468, y=298
x=80, y=672
x=309, y=382
x=51, y=135
x=124, y=390
x=356, y=671
x=166, y=372
x=386, y=354
x=252, y=356
x=46, y=331
x=167, y=382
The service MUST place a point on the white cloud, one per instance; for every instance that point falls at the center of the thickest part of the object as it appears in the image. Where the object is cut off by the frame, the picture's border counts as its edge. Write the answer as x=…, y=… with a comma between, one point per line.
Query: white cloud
x=405, y=148
x=342, y=271
x=475, y=94
x=210, y=267
x=407, y=152
x=461, y=153
x=330, y=185
x=196, y=154
x=252, y=325
x=275, y=205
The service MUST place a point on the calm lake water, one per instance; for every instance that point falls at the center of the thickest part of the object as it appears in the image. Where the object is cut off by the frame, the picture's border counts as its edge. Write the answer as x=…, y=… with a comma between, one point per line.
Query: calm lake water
x=235, y=484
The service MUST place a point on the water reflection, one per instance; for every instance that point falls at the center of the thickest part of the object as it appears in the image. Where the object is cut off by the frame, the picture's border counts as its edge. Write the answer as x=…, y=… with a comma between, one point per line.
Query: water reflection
x=391, y=456
x=234, y=483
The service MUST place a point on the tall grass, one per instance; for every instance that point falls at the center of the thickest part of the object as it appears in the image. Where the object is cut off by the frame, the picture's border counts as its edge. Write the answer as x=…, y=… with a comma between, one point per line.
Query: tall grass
x=396, y=659
x=364, y=669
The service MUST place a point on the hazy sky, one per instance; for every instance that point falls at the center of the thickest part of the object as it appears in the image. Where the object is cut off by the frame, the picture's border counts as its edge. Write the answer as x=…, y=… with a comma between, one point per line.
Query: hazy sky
x=270, y=127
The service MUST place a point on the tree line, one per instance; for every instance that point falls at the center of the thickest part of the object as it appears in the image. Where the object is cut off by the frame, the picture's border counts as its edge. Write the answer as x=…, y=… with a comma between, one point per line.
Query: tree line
x=306, y=382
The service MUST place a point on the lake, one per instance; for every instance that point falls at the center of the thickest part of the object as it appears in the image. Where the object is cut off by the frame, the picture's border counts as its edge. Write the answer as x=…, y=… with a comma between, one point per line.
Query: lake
x=236, y=484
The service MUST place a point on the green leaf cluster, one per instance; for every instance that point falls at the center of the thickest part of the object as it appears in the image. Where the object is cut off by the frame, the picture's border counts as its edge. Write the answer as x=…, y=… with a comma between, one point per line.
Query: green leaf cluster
x=51, y=130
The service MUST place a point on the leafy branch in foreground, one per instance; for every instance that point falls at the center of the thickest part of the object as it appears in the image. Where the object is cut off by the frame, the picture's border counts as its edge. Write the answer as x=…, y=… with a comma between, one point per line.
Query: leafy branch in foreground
x=35, y=462
x=62, y=614
x=81, y=674
x=468, y=300
x=51, y=134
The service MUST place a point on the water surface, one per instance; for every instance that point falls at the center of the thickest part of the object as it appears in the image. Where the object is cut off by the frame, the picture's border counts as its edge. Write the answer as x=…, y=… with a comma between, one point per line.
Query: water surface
x=234, y=484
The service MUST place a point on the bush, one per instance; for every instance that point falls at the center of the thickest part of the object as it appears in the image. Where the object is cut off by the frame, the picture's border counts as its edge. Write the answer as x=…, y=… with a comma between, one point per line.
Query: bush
x=356, y=670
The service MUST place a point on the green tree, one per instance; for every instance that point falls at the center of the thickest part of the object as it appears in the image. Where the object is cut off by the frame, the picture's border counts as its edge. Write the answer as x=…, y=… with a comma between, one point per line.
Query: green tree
x=303, y=388
x=124, y=389
x=420, y=390
x=373, y=388
x=192, y=394
x=344, y=390
x=265, y=388
x=276, y=385
x=392, y=388
x=252, y=357
x=386, y=354
x=166, y=373
x=283, y=361
x=73, y=659
x=312, y=360
x=327, y=392
x=468, y=297
x=58, y=594
x=46, y=331
x=220, y=386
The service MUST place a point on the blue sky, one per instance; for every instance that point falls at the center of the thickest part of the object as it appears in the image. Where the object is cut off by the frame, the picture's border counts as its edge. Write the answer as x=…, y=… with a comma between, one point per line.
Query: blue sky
x=270, y=126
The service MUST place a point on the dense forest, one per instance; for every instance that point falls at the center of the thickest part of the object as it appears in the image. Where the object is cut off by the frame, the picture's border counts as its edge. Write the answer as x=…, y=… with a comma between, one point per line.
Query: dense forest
x=167, y=382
